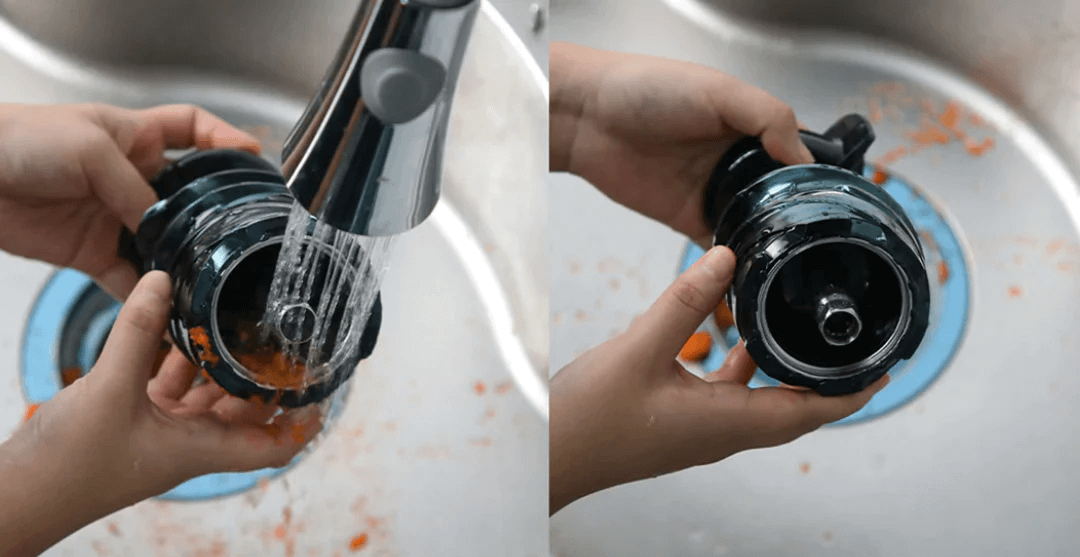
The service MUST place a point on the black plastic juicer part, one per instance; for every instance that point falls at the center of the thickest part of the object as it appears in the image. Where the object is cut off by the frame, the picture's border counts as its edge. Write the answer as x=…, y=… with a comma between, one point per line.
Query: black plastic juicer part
x=217, y=231
x=830, y=288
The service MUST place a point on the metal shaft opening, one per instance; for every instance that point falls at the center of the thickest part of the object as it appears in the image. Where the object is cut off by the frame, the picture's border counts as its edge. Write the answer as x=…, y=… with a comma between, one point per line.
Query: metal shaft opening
x=838, y=320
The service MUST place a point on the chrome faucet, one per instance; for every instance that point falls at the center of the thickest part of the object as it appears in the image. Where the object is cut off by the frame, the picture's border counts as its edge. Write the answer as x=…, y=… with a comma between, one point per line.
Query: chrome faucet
x=366, y=157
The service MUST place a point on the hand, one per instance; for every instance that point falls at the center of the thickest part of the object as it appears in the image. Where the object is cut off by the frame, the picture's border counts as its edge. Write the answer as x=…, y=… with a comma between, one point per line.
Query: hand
x=627, y=410
x=116, y=436
x=74, y=174
x=648, y=132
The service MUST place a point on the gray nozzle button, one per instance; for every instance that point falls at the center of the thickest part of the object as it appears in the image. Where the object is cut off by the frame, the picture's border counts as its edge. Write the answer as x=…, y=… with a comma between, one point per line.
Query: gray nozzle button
x=398, y=85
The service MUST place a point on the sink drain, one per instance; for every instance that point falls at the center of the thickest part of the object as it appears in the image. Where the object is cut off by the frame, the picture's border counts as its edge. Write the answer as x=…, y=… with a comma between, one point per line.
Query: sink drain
x=68, y=325
x=949, y=300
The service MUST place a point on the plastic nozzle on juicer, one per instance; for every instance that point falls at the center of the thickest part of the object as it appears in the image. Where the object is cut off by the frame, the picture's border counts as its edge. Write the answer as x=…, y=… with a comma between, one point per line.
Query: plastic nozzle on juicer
x=830, y=288
x=365, y=158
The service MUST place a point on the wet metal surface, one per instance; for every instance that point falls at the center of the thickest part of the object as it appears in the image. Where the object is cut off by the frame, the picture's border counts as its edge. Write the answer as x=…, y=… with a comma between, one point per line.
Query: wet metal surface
x=441, y=448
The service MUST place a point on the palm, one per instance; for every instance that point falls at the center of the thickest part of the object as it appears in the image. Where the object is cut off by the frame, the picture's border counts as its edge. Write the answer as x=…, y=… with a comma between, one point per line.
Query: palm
x=175, y=392
x=185, y=407
x=81, y=234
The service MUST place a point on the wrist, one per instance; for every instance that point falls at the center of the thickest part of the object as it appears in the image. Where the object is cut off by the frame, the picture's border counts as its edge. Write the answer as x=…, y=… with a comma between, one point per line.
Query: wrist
x=44, y=497
x=575, y=71
x=579, y=468
x=578, y=462
x=570, y=478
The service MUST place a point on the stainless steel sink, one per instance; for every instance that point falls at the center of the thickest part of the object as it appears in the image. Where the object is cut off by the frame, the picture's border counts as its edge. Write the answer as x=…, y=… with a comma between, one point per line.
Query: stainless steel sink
x=975, y=108
x=442, y=445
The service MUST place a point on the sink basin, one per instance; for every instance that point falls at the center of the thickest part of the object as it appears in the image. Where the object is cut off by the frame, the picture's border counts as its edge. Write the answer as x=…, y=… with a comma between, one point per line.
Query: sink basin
x=975, y=111
x=441, y=445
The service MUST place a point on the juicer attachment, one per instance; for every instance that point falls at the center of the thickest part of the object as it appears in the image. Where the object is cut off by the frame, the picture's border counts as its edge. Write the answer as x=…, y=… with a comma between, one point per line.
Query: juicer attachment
x=830, y=289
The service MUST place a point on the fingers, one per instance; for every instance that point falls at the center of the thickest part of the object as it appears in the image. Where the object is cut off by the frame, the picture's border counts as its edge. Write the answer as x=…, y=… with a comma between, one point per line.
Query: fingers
x=782, y=141
x=233, y=410
x=116, y=182
x=164, y=349
x=778, y=415
x=203, y=397
x=118, y=279
x=249, y=447
x=133, y=344
x=184, y=126
x=687, y=302
x=174, y=379
x=757, y=113
x=738, y=367
x=827, y=411
x=123, y=188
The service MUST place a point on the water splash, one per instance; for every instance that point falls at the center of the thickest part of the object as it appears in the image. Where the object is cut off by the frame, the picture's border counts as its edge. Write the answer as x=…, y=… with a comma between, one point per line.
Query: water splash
x=324, y=287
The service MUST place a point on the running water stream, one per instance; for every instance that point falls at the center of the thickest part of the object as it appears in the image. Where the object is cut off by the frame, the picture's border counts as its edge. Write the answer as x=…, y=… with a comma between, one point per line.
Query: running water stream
x=325, y=284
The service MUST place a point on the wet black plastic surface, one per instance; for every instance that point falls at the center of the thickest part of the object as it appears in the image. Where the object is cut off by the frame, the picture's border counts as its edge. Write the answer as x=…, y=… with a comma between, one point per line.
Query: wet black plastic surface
x=851, y=235
x=173, y=237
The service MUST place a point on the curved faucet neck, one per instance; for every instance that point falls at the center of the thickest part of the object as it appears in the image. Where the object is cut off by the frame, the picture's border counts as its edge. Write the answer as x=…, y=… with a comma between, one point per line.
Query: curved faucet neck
x=366, y=157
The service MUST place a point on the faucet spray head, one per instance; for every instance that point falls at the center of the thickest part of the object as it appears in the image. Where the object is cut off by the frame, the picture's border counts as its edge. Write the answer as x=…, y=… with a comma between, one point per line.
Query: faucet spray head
x=366, y=157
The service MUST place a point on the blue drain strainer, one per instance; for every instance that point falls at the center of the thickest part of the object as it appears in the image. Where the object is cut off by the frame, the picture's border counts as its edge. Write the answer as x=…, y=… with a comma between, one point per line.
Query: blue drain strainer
x=948, y=309
x=72, y=301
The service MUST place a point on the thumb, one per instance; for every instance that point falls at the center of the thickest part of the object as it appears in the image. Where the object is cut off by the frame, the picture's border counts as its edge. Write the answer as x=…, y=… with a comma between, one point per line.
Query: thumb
x=690, y=300
x=135, y=340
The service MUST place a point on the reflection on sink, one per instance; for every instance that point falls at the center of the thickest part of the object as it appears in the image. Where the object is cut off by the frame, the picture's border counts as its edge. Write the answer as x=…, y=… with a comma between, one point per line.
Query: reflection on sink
x=973, y=106
x=449, y=413
x=284, y=42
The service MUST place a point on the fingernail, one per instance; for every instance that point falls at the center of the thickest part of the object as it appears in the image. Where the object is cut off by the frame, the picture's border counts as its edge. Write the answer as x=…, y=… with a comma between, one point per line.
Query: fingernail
x=721, y=260
x=251, y=146
x=159, y=285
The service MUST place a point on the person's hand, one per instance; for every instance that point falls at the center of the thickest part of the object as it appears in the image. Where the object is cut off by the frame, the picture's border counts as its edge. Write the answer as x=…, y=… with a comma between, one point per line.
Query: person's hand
x=117, y=436
x=74, y=174
x=627, y=410
x=648, y=132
